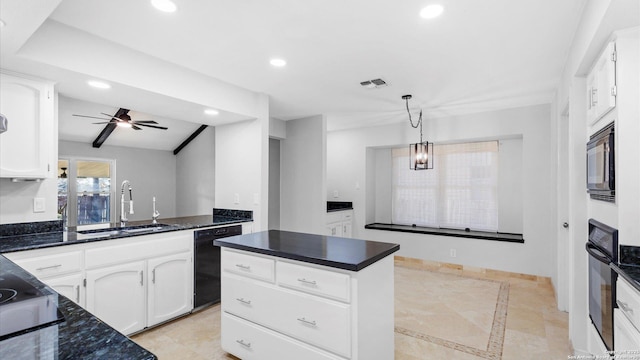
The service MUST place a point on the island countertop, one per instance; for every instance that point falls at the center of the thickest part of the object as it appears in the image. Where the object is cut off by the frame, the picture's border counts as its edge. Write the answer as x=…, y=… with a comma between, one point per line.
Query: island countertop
x=336, y=252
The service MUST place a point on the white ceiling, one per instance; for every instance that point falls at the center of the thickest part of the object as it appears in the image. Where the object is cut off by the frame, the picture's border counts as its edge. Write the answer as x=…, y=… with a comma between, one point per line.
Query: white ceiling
x=477, y=56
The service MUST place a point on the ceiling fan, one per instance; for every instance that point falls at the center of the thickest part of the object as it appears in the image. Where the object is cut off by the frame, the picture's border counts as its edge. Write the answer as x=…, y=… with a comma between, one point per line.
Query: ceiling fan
x=122, y=119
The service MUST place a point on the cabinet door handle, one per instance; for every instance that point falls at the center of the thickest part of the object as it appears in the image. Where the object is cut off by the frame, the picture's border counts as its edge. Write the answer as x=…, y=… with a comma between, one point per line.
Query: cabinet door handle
x=153, y=276
x=624, y=306
x=308, y=322
x=305, y=281
x=242, y=300
x=49, y=267
x=77, y=294
x=245, y=344
x=141, y=278
x=243, y=267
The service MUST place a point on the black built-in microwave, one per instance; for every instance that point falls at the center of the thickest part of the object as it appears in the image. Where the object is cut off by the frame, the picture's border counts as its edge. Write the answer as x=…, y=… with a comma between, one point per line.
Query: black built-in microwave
x=601, y=165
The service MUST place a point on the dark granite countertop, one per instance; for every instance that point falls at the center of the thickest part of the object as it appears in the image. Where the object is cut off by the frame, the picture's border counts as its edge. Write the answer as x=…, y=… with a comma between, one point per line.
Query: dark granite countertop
x=10, y=243
x=629, y=265
x=80, y=336
x=336, y=252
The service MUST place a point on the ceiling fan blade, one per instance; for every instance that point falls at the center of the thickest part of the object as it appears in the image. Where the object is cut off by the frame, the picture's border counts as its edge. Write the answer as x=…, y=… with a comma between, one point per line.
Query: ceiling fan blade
x=135, y=127
x=106, y=122
x=144, y=121
x=155, y=127
x=92, y=117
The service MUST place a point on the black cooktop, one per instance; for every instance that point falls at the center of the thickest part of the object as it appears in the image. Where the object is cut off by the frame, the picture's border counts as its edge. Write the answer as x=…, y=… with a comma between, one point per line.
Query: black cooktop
x=24, y=308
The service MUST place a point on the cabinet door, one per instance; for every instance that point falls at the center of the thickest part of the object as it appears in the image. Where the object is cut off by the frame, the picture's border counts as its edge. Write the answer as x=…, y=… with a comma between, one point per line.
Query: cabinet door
x=116, y=295
x=627, y=337
x=347, y=229
x=170, y=287
x=602, y=84
x=29, y=139
x=69, y=286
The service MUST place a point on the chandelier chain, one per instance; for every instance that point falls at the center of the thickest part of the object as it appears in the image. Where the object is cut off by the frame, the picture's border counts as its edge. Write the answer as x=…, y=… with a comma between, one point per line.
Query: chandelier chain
x=419, y=123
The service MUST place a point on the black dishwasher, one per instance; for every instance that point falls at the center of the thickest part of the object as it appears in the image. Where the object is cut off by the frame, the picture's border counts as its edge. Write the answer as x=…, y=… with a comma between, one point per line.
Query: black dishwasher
x=206, y=287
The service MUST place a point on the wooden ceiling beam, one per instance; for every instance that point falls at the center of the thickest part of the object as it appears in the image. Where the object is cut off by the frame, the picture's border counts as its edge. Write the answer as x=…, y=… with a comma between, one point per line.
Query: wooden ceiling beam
x=108, y=129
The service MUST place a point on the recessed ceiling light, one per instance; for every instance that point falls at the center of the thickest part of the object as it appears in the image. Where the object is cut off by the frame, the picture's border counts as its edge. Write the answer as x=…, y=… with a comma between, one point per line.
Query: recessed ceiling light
x=278, y=62
x=98, y=84
x=164, y=5
x=431, y=11
x=211, y=112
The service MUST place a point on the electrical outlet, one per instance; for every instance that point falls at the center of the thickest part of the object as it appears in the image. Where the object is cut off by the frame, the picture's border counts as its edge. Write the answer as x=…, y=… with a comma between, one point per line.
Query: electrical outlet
x=236, y=198
x=256, y=199
x=336, y=194
x=38, y=205
x=452, y=253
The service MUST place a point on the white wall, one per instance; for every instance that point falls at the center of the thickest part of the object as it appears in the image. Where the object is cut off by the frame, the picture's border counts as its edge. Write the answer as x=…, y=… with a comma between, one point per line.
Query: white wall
x=242, y=166
x=195, y=176
x=599, y=20
x=346, y=172
x=303, y=189
x=274, y=184
x=150, y=172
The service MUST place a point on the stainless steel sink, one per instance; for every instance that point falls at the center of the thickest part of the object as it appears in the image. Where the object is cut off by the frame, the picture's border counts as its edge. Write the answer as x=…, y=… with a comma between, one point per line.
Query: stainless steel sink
x=114, y=231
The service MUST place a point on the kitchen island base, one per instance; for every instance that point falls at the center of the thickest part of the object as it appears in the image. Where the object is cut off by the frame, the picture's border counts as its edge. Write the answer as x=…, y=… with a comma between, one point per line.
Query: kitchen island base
x=278, y=308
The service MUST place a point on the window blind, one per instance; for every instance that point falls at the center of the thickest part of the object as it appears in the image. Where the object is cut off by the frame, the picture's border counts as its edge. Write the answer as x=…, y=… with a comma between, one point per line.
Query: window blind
x=460, y=192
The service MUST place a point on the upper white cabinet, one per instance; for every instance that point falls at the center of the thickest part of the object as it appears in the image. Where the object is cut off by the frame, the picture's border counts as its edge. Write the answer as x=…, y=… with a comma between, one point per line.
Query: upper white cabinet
x=601, y=85
x=27, y=145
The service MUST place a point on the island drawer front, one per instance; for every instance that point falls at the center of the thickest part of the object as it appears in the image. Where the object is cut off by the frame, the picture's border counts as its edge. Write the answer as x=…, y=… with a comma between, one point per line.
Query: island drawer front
x=321, y=322
x=628, y=300
x=331, y=284
x=248, y=265
x=54, y=264
x=249, y=341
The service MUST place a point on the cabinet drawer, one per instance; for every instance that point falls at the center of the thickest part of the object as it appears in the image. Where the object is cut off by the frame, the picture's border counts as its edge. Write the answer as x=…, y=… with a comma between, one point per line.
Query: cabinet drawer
x=248, y=265
x=249, y=341
x=320, y=322
x=316, y=281
x=628, y=300
x=627, y=337
x=51, y=265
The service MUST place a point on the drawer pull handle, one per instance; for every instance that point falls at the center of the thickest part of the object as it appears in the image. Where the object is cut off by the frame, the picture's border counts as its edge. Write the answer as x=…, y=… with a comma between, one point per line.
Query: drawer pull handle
x=308, y=322
x=625, y=307
x=242, y=300
x=305, y=281
x=77, y=294
x=49, y=267
x=245, y=344
x=243, y=267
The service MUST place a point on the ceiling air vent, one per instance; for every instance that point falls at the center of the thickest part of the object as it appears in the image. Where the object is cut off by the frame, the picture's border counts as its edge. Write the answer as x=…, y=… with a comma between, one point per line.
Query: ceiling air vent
x=372, y=84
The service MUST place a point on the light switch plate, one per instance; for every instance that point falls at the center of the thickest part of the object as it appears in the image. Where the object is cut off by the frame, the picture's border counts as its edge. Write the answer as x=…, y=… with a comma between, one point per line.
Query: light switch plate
x=38, y=205
x=236, y=198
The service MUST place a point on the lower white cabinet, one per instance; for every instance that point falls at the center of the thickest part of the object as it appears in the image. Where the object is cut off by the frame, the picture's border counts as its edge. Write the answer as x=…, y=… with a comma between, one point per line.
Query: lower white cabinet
x=169, y=289
x=626, y=318
x=286, y=309
x=250, y=341
x=70, y=286
x=340, y=223
x=116, y=295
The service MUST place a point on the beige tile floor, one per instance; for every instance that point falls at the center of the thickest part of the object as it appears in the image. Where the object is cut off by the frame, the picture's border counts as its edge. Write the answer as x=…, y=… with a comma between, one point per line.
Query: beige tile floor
x=443, y=311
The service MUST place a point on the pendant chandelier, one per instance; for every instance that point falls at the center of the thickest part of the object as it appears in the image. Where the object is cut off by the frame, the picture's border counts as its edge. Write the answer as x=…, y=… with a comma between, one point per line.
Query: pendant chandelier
x=420, y=154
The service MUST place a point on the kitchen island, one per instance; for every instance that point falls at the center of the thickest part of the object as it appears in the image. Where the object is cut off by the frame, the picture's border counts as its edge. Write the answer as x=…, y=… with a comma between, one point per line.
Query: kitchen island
x=297, y=295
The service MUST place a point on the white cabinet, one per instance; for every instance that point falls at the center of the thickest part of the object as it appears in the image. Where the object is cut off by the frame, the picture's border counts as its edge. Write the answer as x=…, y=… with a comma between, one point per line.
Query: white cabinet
x=117, y=295
x=312, y=311
x=169, y=289
x=60, y=268
x=601, y=85
x=340, y=223
x=70, y=286
x=27, y=145
x=129, y=283
x=626, y=318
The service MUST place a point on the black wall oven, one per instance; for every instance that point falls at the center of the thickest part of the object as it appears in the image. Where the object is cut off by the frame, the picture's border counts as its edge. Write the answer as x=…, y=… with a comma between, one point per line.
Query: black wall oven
x=602, y=248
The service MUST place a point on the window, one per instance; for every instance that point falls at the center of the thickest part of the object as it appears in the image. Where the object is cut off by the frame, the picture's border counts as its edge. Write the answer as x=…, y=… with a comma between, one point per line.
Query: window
x=460, y=192
x=84, y=191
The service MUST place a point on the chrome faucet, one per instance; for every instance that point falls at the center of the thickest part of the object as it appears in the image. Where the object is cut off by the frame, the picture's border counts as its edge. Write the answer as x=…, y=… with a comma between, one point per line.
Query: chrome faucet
x=156, y=213
x=123, y=215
